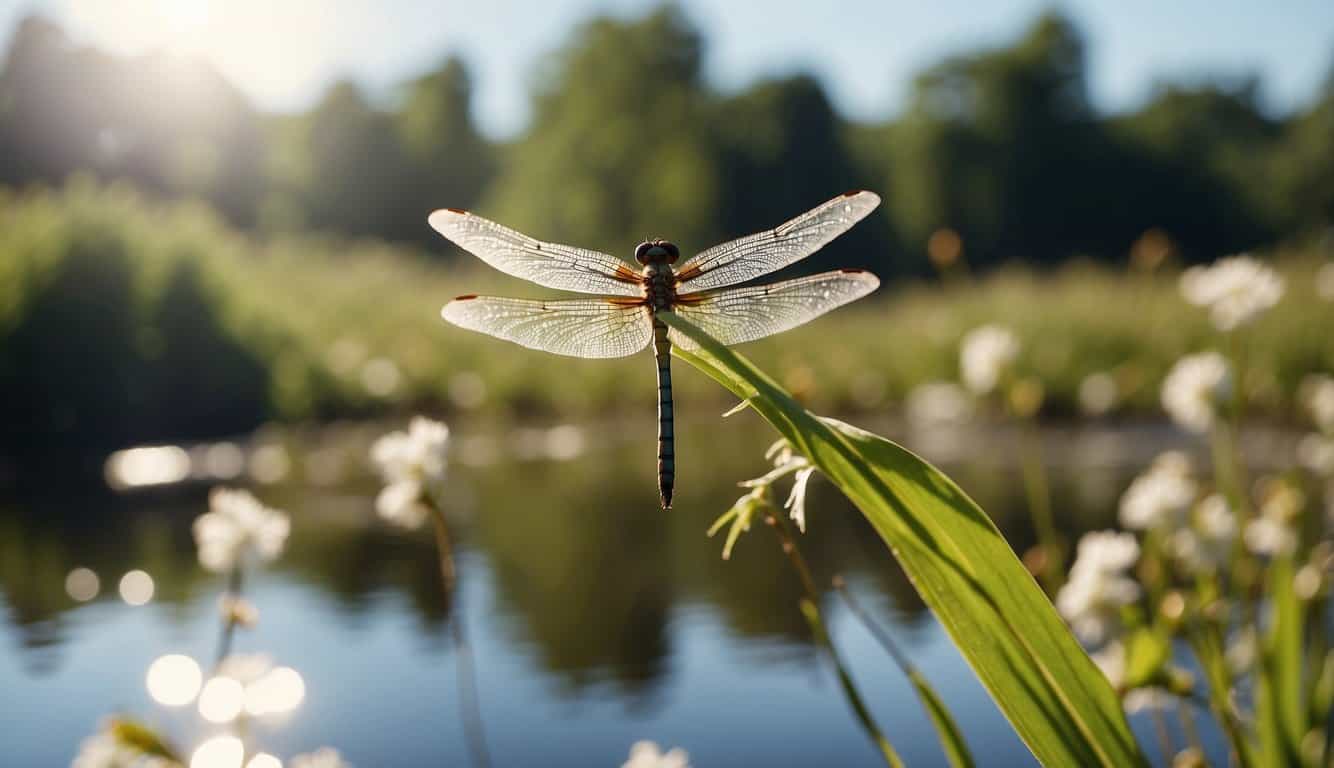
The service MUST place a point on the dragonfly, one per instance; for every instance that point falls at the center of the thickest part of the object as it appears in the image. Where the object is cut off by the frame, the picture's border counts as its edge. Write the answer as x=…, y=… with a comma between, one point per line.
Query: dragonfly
x=624, y=317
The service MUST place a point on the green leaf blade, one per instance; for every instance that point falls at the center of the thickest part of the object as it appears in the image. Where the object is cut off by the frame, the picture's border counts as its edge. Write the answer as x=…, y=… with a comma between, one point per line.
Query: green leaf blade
x=1041, y=678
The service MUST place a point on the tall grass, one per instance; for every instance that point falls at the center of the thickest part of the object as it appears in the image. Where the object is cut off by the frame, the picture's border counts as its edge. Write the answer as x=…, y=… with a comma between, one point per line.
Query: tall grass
x=177, y=325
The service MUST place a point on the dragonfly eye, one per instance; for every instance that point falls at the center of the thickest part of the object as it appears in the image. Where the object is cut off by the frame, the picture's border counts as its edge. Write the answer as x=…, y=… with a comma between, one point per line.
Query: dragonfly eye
x=673, y=253
x=641, y=252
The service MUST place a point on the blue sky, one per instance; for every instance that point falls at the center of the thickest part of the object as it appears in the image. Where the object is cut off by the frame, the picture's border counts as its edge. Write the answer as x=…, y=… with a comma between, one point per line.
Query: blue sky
x=283, y=52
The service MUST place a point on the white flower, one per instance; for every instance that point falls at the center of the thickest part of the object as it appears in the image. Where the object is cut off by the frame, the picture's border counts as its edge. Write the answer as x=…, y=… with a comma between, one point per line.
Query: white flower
x=401, y=504
x=1111, y=659
x=1195, y=388
x=238, y=530
x=985, y=355
x=1316, y=452
x=1160, y=497
x=646, y=754
x=1317, y=394
x=786, y=461
x=324, y=757
x=1098, y=393
x=938, y=403
x=1208, y=544
x=1269, y=536
x=104, y=750
x=1098, y=587
x=1148, y=698
x=245, y=668
x=1236, y=290
x=796, y=500
x=411, y=462
x=1242, y=651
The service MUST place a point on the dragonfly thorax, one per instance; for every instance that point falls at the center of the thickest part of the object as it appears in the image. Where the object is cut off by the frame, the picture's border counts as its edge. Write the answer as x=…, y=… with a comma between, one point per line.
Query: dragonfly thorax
x=657, y=251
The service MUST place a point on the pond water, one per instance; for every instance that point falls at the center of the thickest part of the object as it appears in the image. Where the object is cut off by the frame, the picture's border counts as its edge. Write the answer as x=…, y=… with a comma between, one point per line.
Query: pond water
x=595, y=618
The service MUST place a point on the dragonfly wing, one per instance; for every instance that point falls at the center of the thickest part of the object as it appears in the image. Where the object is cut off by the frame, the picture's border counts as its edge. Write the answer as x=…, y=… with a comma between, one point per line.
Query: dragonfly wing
x=736, y=315
x=572, y=327
x=764, y=252
x=553, y=265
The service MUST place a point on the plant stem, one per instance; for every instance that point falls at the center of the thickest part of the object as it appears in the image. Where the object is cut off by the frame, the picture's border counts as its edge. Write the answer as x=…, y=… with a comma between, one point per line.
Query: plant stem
x=818, y=627
x=951, y=738
x=1039, y=506
x=1164, y=738
x=469, y=703
x=1206, y=640
x=1188, y=725
x=233, y=593
x=881, y=636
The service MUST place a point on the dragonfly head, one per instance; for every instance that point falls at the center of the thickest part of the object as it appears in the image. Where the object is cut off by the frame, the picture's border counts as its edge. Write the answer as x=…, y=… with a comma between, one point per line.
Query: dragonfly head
x=658, y=251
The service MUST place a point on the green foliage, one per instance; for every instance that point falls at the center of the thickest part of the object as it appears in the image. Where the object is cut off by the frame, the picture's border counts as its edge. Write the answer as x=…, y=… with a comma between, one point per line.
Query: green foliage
x=1039, y=676
x=123, y=322
x=1280, y=711
x=112, y=332
x=620, y=147
x=627, y=140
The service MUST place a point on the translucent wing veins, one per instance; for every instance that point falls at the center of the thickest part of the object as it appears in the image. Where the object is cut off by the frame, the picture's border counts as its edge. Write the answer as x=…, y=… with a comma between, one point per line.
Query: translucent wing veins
x=749, y=257
x=597, y=327
x=563, y=267
x=737, y=315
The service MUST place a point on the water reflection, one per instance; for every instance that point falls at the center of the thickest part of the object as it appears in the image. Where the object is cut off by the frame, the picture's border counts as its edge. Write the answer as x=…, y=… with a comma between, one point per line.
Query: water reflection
x=589, y=579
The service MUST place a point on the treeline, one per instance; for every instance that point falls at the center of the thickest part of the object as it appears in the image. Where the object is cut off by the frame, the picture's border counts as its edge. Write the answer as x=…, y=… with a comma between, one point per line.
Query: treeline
x=1000, y=147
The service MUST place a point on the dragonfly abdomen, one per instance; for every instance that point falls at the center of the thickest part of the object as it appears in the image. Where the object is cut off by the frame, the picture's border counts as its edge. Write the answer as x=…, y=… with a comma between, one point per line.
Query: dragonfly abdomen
x=662, y=353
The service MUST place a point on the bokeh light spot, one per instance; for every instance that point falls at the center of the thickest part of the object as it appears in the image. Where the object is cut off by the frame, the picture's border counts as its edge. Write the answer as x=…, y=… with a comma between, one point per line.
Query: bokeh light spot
x=174, y=680
x=149, y=465
x=264, y=760
x=279, y=692
x=82, y=584
x=219, y=752
x=221, y=700
x=136, y=587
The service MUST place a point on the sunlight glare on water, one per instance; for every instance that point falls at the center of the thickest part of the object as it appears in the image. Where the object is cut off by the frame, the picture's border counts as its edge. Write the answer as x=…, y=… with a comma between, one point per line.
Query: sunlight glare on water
x=221, y=700
x=264, y=760
x=278, y=692
x=136, y=588
x=173, y=680
x=224, y=460
x=147, y=465
x=219, y=752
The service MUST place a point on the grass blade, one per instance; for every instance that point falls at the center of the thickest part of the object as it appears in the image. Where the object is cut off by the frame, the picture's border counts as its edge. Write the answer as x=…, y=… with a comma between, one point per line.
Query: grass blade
x=1280, y=713
x=1055, y=697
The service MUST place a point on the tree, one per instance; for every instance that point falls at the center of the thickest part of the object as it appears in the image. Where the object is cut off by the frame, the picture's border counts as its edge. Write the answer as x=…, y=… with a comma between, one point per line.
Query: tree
x=996, y=146
x=783, y=150
x=1303, y=166
x=619, y=147
x=170, y=124
x=450, y=162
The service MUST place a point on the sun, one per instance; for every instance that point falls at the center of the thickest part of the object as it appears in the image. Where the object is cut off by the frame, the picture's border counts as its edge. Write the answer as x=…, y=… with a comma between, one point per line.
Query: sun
x=184, y=18
x=133, y=25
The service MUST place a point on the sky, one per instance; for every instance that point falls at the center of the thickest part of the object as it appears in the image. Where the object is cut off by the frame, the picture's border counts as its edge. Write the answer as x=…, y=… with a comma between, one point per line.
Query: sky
x=283, y=53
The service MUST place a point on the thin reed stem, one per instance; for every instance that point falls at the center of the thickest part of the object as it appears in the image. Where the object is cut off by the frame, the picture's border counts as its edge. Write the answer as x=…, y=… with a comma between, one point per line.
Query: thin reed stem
x=470, y=709
x=229, y=621
x=881, y=636
x=811, y=610
x=1192, y=731
x=1164, y=737
x=1038, y=491
x=951, y=738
